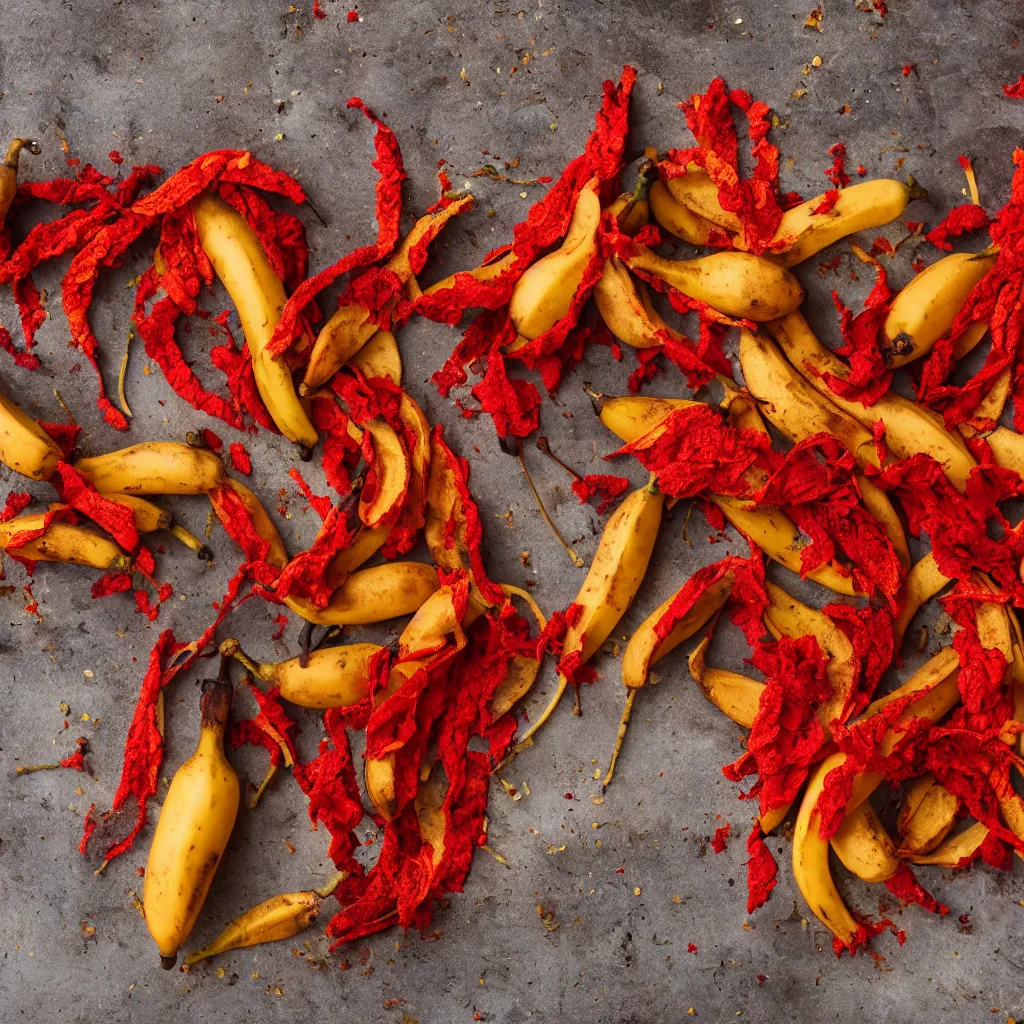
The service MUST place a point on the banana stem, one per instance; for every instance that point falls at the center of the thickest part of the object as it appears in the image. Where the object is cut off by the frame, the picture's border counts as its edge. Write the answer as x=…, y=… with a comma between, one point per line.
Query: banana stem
x=527, y=739
x=191, y=541
x=576, y=559
x=122, y=398
x=325, y=890
x=544, y=445
x=230, y=648
x=64, y=406
x=620, y=737
x=28, y=769
x=597, y=399
x=15, y=148
x=267, y=779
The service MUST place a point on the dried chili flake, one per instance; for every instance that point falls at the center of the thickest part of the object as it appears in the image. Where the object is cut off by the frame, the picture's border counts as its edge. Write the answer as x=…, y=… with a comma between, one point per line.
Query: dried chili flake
x=691, y=947
x=352, y=16
x=600, y=485
x=321, y=505
x=15, y=504
x=512, y=403
x=118, y=520
x=837, y=172
x=762, y=871
x=212, y=440
x=240, y=458
x=116, y=582
x=318, y=12
x=115, y=157
x=88, y=828
x=719, y=843
x=960, y=220
x=76, y=760
x=908, y=69
x=145, y=606
x=281, y=621
x=906, y=888
x=828, y=201
x=1015, y=91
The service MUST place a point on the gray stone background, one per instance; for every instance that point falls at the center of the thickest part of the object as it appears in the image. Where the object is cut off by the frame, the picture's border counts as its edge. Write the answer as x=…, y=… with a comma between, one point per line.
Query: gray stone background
x=164, y=82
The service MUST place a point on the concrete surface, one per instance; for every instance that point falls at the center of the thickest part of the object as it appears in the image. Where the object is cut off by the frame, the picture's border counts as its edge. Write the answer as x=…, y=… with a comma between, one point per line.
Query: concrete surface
x=164, y=82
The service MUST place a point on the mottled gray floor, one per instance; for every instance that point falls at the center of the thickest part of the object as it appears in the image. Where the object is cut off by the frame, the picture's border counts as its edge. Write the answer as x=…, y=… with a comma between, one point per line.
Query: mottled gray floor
x=163, y=82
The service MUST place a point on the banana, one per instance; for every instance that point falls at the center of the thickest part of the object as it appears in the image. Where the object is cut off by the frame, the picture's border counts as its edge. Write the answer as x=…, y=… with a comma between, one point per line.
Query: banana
x=625, y=306
x=922, y=583
x=909, y=427
x=1007, y=449
x=877, y=502
x=148, y=517
x=786, y=616
x=698, y=193
x=615, y=575
x=24, y=446
x=737, y=695
x=80, y=544
x=333, y=677
x=391, y=469
x=488, y=272
x=792, y=405
x=778, y=537
x=9, y=173
x=927, y=815
x=955, y=849
x=154, y=467
x=630, y=417
x=258, y=294
x=413, y=513
x=374, y=595
x=924, y=310
x=195, y=823
x=352, y=326
x=678, y=218
x=280, y=917
x=379, y=357
x=864, y=846
x=429, y=806
x=734, y=283
x=543, y=294
x=522, y=670
x=936, y=680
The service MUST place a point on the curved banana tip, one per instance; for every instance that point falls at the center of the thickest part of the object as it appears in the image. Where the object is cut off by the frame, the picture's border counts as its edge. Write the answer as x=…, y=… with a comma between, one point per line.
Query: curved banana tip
x=15, y=148
x=305, y=452
x=230, y=647
x=168, y=962
x=204, y=553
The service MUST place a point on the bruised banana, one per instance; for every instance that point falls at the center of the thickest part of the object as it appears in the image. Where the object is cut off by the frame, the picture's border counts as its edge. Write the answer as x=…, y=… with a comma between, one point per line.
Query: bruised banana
x=864, y=846
x=936, y=681
x=379, y=357
x=792, y=405
x=909, y=427
x=241, y=263
x=9, y=173
x=737, y=284
x=352, y=325
x=736, y=695
x=24, y=446
x=278, y=918
x=543, y=294
x=926, y=816
x=615, y=575
x=678, y=218
x=631, y=417
x=626, y=308
x=195, y=823
x=962, y=846
x=646, y=648
x=391, y=470
x=80, y=544
x=924, y=310
x=333, y=677
x=154, y=467
x=698, y=193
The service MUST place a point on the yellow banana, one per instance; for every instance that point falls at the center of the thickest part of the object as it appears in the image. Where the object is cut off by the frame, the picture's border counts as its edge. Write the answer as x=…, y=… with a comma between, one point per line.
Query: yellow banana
x=936, y=680
x=351, y=326
x=877, y=502
x=195, y=823
x=488, y=272
x=24, y=446
x=786, y=616
x=737, y=284
x=630, y=417
x=922, y=583
x=737, y=695
x=543, y=294
x=909, y=427
x=379, y=357
x=625, y=306
x=374, y=595
x=81, y=544
x=333, y=677
x=789, y=402
x=148, y=517
x=615, y=575
x=927, y=815
x=678, y=218
x=280, y=917
x=1007, y=448
x=864, y=846
x=429, y=806
x=924, y=310
x=392, y=469
x=154, y=467
x=698, y=193
x=258, y=294
x=955, y=849
x=9, y=173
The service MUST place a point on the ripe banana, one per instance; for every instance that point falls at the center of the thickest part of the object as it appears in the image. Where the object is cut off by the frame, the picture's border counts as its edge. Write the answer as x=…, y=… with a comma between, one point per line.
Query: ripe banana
x=630, y=417
x=379, y=357
x=956, y=848
x=24, y=446
x=698, y=193
x=927, y=815
x=924, y=310
x=625, y=306
x=615, y=575
x=148, y=517
x=488, y=272
x=786, y=616
x=678, y=218
x=937, y=682
x=80, y=544
x=374, y=595
x=877, y=502
x=789, y=402
x=280, y=917
x=864, y=846
x=922, y=583
x=429, y=806
x=351, y=326
x=909, y=427
x=333, y=677
x=154, y=467
x=734, y=283
x=9, y=173
x=391, y=471
x=737, y=695
x=195, y=823
x=543, y=294
x=258, y=294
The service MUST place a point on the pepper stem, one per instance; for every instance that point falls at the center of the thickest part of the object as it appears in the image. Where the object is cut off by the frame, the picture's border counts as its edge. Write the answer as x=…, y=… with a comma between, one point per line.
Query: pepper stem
x=620, y=737
x=545, y=447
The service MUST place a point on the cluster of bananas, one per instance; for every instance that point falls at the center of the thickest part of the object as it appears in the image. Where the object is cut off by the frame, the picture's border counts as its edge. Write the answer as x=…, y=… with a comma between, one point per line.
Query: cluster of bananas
x=785, y=371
